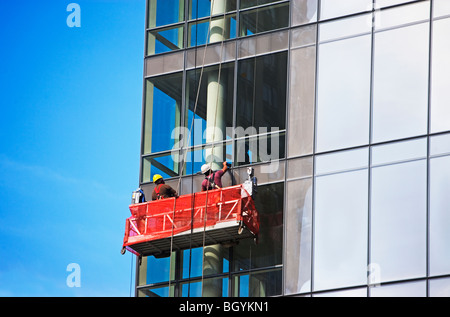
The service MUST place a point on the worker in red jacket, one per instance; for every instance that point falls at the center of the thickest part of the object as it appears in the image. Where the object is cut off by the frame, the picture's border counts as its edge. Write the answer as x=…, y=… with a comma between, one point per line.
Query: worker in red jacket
x=213, y=179
x=162, y=190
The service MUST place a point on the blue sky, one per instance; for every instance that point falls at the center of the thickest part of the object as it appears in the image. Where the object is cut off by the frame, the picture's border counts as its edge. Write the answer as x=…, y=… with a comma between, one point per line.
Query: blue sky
x=70, y=117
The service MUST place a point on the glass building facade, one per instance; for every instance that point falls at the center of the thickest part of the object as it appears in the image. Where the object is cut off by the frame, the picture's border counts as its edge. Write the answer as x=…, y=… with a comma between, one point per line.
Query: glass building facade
x=342, y=107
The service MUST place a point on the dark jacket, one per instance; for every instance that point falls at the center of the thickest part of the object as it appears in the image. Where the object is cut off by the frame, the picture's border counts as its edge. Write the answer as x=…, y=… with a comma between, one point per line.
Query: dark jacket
x=163, y=191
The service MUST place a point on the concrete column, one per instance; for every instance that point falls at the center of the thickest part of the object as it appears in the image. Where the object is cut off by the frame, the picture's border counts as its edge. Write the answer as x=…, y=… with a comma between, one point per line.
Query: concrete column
x=215, y=123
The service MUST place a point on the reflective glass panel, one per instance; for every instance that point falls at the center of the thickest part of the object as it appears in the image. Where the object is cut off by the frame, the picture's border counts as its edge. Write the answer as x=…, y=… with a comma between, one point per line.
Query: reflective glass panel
x=297, y=266
x=165, y=40
x=260, y=284
x=268, y=251
x=264, y=19
x=202, y=8
x=407, y=289
x=212, y=103
x=439, y=216
x=164, y=12
x=400, y=100
x=162, y=113
x=343, y=99
x=440, y=94
x=165, y=164
x=219, y=29
x=333, y=8
x=301, y=101
x=340, y=230
x=253, y=3
x=261, y=92
x=303, y=11
x=440, y=287
x=398, y=220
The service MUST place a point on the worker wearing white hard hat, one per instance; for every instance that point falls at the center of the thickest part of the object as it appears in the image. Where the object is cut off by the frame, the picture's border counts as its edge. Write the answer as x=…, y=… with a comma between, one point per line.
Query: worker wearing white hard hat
x=213, y=179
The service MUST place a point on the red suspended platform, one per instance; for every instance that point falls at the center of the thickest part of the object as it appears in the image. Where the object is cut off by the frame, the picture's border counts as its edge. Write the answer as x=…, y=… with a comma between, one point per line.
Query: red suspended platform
x=223, y=216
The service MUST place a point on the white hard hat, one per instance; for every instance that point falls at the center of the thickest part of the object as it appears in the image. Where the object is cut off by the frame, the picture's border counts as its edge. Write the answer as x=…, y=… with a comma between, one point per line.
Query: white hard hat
x=205, y=168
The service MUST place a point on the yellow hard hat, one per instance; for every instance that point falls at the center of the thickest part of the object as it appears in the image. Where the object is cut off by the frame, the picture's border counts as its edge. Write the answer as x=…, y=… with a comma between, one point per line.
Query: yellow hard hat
x=156, y=177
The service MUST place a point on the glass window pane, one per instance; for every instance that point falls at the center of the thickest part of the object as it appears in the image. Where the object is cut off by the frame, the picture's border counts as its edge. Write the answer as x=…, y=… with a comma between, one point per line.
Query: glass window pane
x=340, y=230
x=261, y=92
x=265, y=148
x=343, y=99
x=202, y=8
x=301, y=101
x=409, y=289
x=297, y=268
x=165, y=40
x=332, y=8
x=264, y=284
x=402, y=15
x=439, y=216
x=358, y=292
x=441, y=8
x=201, y=32
x=268, y=251
x=342, y=161
x=158, y=269
x=264, y=19
x=388, y=3
x=303, y=11
x=400, y=99
x=299, y=168
x=164, y=12
x=263, y=44
x=303, y=36
x=162, y=112
x=342, y=28
x=398, y=220
x=440, y=287
x=440, y=94
x=253, y=3
x=213, y=103
x=399, y=151
x=440, y=144
x=165, y=164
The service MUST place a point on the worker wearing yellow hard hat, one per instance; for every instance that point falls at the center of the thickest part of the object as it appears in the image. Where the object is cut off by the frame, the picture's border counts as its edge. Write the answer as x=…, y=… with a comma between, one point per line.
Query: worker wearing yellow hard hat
x=162, y=190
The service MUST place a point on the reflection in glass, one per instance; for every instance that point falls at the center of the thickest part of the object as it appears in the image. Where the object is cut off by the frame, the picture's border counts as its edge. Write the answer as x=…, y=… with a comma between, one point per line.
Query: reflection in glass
x=264, y=19
x=268, y=251
x=165, y=164
x=297, y=266
x=343, y=99
x=408, y=289
x=261, y=92
x=213, y=103
x=303, y=11
x=202, y=8
x=400, y=99
x=440, y=94
x=162, y=112
x=340, y=230
x=253, y=3
x=199, y=33
x=261, y=284
x=301, y=101
x=440, y=287
x=165, y=40
x=333, y=8
x=164, y=12
x=398, y=220
x=439, y=216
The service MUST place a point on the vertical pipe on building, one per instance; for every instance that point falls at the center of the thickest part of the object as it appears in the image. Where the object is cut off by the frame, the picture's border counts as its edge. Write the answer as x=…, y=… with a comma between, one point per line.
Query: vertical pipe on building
x=215, y=124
